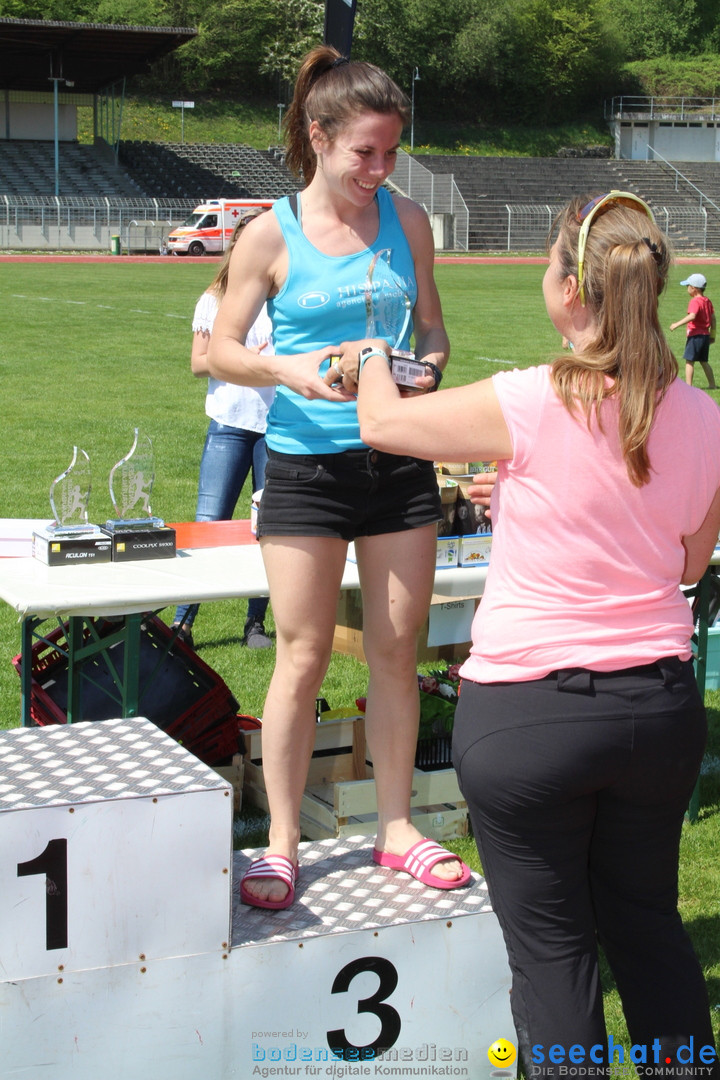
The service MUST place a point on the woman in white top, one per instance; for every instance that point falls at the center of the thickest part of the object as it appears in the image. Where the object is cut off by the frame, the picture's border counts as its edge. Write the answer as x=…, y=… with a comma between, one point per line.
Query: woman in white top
x=235, y=441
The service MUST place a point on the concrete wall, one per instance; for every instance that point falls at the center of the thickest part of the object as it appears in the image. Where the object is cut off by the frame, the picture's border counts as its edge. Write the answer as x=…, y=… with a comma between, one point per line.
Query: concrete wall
x=28, y=120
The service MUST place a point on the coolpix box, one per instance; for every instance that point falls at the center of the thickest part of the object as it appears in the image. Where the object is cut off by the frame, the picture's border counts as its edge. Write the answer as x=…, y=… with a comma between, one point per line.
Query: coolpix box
x=157, y=542
x=90, y=547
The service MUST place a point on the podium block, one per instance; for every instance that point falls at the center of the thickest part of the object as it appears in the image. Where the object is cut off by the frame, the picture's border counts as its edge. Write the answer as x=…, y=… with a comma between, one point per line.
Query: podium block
x=116, y=847
x=124, y=946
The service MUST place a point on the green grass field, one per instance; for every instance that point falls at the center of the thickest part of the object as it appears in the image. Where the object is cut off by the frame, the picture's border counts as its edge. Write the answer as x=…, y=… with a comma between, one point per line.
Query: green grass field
x=89, y=351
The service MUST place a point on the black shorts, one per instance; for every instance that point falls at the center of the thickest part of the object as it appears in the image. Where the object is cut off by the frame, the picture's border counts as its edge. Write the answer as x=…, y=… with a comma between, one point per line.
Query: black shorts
x=355, y=493
x=697, y=349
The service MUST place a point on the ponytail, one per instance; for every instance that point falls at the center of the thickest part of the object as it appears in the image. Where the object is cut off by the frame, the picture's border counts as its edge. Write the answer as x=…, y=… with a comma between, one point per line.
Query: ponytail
x=627, y=260
x=333, y=90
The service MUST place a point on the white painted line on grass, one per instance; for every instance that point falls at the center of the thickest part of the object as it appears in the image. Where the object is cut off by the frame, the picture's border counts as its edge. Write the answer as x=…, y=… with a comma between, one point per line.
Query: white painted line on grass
x=101, y=307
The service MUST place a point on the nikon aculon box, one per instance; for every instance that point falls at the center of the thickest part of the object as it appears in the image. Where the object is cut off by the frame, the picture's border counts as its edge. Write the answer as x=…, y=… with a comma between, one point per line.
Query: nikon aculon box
x=155, y=542
x=93, y=546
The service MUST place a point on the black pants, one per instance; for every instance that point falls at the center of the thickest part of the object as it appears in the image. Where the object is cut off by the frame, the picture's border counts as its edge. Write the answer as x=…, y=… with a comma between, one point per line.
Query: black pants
x=577, y=786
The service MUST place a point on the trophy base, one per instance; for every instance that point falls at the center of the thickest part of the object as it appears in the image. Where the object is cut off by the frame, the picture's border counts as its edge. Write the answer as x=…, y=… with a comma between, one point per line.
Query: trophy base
x=130, y=540
x=58, y=547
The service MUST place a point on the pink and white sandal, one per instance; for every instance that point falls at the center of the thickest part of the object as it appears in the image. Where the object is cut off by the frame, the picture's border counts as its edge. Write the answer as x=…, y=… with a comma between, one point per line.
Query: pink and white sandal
x=270, y=868
x=419, y=860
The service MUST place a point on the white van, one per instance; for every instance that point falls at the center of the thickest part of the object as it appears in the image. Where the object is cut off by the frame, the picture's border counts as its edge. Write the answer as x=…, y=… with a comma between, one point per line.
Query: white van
x=210, y=226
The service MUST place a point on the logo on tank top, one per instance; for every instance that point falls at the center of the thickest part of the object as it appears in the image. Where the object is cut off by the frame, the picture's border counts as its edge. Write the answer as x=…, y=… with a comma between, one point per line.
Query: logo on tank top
x=313, y=299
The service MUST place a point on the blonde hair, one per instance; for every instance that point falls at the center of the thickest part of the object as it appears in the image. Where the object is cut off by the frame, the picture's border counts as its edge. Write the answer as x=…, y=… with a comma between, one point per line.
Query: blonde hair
x=627, y=259
x=333, y=91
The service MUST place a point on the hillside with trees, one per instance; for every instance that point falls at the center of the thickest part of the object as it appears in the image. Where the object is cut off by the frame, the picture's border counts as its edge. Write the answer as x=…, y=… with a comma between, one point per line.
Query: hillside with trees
x=481, y=61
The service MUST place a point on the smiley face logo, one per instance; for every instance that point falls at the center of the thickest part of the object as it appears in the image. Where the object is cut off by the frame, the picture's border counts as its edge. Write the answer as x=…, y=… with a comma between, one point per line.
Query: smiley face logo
x=502, y=1053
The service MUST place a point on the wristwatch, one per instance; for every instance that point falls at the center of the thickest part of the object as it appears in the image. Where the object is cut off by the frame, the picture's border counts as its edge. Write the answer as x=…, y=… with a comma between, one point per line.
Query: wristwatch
x=368, y=351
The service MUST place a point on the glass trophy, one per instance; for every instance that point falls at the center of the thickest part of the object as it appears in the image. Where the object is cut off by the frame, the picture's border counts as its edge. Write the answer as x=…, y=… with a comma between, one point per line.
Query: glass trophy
x=131, y=484
x=388, y=312
x=388, y=307
x=70, y=537
x=69, y=497
x=136, y=532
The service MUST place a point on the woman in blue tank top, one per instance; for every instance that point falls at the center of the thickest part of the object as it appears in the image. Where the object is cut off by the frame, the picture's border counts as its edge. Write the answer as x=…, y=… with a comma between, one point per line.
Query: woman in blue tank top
x=310, y=258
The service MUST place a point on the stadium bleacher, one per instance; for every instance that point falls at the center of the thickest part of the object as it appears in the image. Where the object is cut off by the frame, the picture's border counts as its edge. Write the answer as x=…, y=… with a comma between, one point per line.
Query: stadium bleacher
x=27, y=167
x=488, y=185
x=206, y=170
x=195, y=171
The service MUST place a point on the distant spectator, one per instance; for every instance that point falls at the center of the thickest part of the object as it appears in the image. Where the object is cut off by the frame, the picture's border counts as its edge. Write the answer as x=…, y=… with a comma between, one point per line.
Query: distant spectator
x=700, y=322
x=235, y=441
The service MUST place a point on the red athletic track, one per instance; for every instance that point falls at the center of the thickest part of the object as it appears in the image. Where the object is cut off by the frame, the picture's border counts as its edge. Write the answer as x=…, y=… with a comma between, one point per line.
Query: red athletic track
x=445, y=260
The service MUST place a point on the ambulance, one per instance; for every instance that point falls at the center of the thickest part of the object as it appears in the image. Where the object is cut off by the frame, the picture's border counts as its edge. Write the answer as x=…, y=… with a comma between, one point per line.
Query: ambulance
x=210, y=226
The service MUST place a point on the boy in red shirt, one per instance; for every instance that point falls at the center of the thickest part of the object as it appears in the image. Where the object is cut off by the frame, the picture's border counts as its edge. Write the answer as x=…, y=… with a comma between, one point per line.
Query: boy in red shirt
x=700, y=321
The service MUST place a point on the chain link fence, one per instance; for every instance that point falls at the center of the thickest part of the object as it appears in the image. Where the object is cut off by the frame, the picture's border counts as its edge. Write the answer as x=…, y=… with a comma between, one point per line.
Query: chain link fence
x=528, y=225
x=83, y=223
x=440, y=196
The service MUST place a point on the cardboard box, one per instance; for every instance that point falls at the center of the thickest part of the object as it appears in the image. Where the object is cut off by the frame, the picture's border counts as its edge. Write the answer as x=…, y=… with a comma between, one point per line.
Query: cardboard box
x=448, y=495
x=340, y=799
x=464, y=468
x=445, y=635
x=447, y=552
x=71, y=550
x=475, y=550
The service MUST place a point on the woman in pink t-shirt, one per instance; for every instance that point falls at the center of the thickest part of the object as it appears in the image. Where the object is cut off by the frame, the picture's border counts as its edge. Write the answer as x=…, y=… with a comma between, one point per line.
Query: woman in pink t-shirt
x=580, y=729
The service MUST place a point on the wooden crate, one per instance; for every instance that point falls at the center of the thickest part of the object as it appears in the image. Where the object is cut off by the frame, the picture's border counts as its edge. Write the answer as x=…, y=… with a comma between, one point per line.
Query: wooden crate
x=339, y=799
x=348, y=637
x=233, y=773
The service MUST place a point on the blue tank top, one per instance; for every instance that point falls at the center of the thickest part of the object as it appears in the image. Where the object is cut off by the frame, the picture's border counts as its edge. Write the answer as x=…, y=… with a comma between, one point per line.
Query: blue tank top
x=322, y=302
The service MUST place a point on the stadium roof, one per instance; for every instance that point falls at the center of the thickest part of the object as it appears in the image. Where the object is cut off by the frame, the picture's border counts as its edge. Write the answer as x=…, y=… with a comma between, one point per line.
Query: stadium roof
x=88, y=56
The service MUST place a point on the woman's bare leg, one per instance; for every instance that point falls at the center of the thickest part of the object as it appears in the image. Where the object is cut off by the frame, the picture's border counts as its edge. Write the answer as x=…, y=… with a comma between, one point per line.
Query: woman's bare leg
x=396, y=572
x=304, y=574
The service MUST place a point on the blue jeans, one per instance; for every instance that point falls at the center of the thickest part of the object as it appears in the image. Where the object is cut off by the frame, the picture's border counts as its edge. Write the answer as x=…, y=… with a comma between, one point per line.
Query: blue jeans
x=228, y=456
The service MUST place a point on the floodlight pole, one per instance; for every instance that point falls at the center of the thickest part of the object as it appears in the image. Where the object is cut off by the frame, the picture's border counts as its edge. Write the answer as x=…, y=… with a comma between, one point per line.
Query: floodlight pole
x=56, y=111
x=182, y=106
x=280, y=112
x=415, y=78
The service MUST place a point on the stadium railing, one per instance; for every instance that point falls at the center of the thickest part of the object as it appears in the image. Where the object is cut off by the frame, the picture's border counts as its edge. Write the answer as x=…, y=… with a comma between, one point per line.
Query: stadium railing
x=440, y=196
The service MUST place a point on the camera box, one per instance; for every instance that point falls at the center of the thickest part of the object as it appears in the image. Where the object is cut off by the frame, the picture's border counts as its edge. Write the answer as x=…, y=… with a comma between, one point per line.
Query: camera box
x=85, y=547
x=157, y=542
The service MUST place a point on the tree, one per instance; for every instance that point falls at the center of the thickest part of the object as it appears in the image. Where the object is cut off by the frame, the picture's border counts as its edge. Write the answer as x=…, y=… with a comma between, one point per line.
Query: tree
x=299, y=27
x=651, y=28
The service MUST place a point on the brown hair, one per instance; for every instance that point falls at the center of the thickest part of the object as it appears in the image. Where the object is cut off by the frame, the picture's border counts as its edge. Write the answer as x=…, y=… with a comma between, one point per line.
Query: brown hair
x=627, y=259
x=334, y=90
x=218, y=285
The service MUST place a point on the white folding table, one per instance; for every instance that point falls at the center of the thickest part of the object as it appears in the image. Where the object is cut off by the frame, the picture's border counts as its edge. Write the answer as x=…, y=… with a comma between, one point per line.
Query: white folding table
x=79, y=595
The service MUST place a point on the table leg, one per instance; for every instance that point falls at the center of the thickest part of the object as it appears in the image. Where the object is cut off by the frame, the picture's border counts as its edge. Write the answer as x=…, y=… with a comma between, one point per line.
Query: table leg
x=131, y=666
x=74, y=639
x=26, y=674
x=702, y=611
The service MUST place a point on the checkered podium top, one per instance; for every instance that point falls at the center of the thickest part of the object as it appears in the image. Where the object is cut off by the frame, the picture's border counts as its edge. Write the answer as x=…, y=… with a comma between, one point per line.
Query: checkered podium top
x=340, y=890
x=95, y=761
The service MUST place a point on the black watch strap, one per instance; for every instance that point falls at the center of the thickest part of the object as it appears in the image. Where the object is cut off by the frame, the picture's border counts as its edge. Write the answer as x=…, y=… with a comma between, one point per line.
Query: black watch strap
x=434, y=370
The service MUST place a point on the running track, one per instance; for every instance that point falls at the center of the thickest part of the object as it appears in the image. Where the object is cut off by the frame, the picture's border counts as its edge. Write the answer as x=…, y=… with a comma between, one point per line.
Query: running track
x=444, y=260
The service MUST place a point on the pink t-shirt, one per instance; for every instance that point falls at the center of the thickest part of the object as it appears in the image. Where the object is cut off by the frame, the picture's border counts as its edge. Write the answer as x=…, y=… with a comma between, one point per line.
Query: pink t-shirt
x=585, y=567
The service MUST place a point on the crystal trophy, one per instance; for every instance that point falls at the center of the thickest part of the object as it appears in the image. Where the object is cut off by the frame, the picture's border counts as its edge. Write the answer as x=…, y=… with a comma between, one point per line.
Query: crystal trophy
x=388, y=313
x=70, y=495
x=131, y=484
x=137, y=533
x=70, y=537
x=388, y=307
